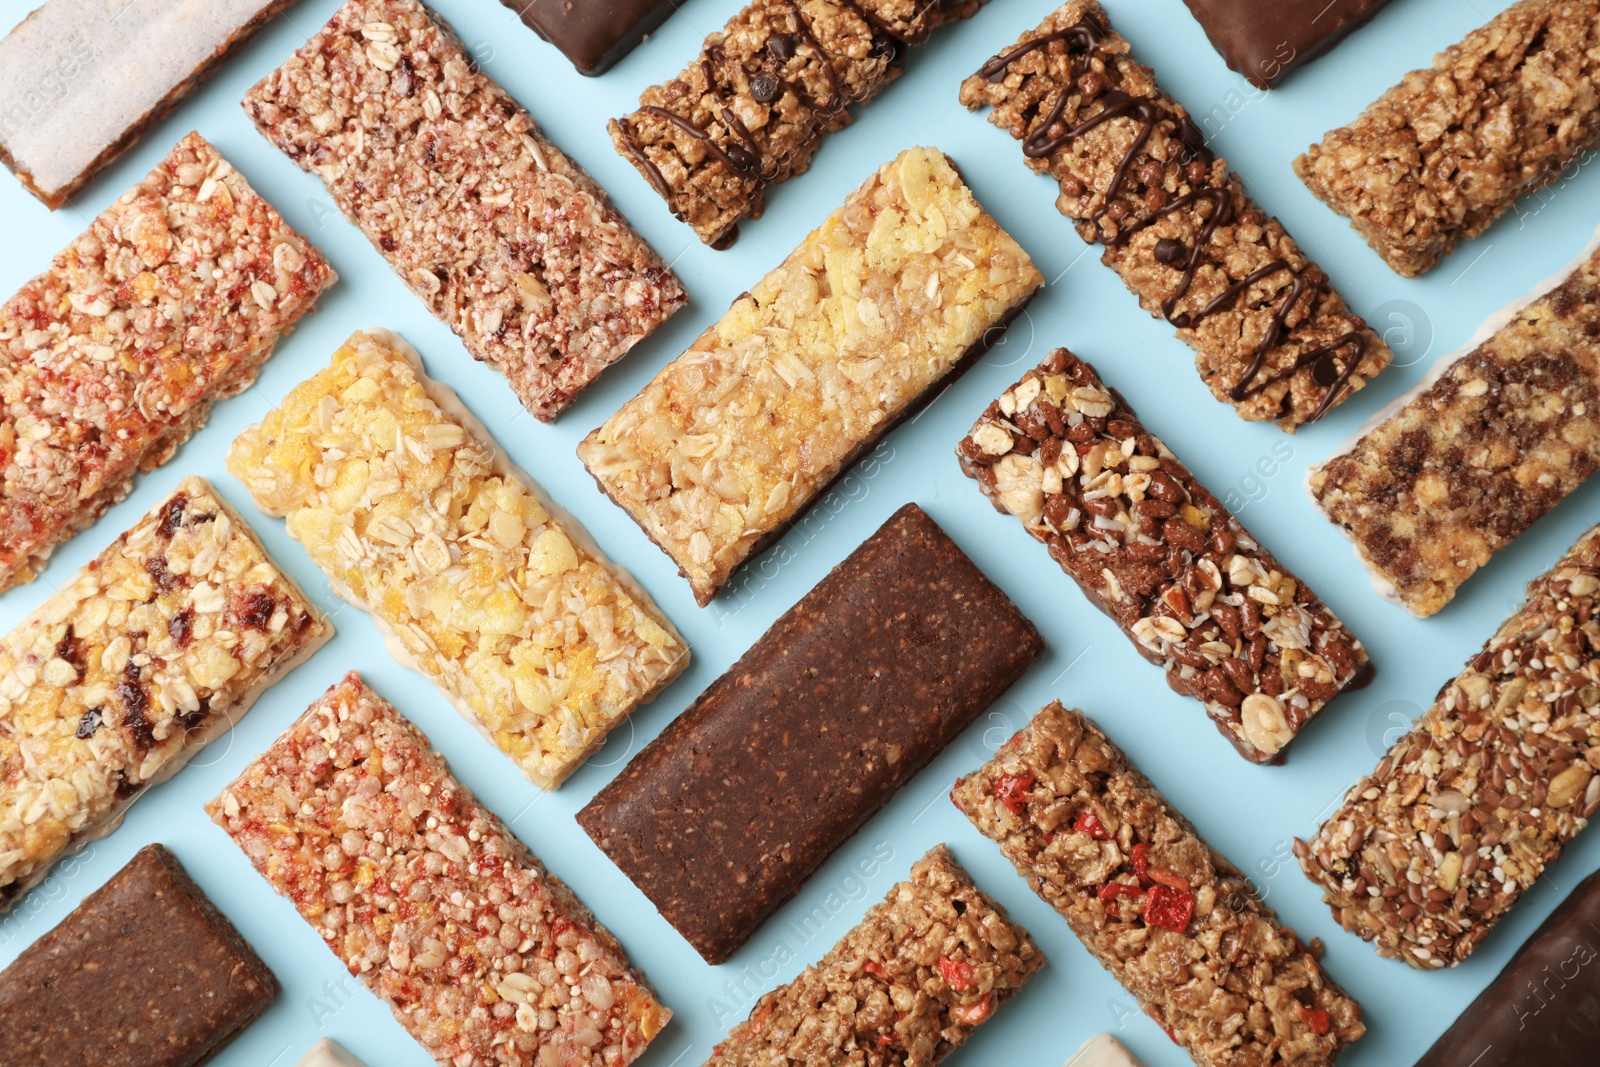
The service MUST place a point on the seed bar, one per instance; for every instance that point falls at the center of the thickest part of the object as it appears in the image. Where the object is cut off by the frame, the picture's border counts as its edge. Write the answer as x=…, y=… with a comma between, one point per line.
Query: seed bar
x=113, y=357
x=1271, y=336
x=752, y=110
x=1440, y=156
x=82, y=80
x=352, y=816
x=898, y=291
x=504, y=238
x=147, y=654
x=1153, y=549
x=1178, y=925
x=145, y=971
x=595, y=34
x=911, y=982
x=1478, y=452
x=1264, y=40
x=1466, y=811
x=505, y=604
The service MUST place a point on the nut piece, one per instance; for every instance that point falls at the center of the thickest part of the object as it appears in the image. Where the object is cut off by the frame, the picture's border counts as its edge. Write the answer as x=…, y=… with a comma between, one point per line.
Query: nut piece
x=1264, y=723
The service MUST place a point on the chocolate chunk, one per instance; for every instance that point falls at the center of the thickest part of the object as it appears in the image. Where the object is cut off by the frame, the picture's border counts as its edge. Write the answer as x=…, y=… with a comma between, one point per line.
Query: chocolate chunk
x=593, y=34
x=1265, y=39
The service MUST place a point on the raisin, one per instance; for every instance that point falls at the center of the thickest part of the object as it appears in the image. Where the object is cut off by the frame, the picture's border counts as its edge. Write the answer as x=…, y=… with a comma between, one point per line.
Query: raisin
x=90, y=723
x=172, y=516
x=181, y=627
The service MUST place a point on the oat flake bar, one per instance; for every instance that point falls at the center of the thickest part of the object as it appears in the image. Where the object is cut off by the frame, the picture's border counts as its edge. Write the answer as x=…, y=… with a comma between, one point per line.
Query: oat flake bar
x=113, y=357
x=1467, y=811
x=402, y=499
x=504, y=238
x=1271, y=335
x=898, y=291
x=428, y=899
x=1177, y=924
x=148, y=653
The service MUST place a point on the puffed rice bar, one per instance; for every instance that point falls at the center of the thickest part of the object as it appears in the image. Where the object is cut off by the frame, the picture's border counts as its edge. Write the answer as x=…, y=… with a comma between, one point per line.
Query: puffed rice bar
x=112, y=358
x=428, y=899
x=153, y=649
x=1467, y=811
x=504, y=238
x=403, y=501
x=905, y=988
x=900, y=289
x=1178, y=925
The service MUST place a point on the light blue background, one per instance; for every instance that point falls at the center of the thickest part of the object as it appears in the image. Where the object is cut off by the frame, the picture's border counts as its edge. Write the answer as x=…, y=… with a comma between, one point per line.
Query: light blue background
x=1249, y=813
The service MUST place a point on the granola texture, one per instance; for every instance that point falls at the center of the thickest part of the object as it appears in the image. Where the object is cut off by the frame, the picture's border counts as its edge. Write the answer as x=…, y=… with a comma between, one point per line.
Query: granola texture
x=423, y=893
x=505, y=239
x=1502, y=436
x=150, y=651
x=1271, y=336
x=752, y=110
x=109, y=360
x=1178, y=925
x=898, y=290
x=398, y=495
x=1467, y=811
x=1153, y=549
x=1439, y=157
x=904, y=988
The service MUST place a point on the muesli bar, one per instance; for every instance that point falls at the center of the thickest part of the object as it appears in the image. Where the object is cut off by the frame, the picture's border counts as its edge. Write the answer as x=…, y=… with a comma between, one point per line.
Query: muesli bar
x=911, y=982
x=428, y=899
x=722, y=818
x=752, y=110
x=113, y=357
x=505, y=239
x=1478, y=452
x=145, y=971
x=1153, y=549
x=1440, y=156
x=1178, y=925
x=1271, y=335
x=147, y=654
x=81, y=80
x=897, y=292
x=1467, y=811
x=478, y=582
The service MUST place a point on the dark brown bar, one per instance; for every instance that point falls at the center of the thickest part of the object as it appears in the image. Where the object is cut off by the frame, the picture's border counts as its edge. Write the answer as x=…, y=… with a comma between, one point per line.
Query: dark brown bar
x=1266, y=39
x=594, y=34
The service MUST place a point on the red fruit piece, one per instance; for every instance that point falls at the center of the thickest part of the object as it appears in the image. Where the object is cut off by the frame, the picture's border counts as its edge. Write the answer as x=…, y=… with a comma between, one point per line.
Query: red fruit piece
x=874, y=968
x=957, y=974
x=1171, y=908
x=1319, y=1020
x=1012, y=791
x=1140, y=858
x=1111, y=891
x=974, y=1014
x=1089, y=823
x=1162, y=876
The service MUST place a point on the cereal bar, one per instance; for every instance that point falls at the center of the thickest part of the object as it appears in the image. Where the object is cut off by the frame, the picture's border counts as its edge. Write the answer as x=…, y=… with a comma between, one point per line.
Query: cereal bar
x=910, y=983
x=595, y=34
x=505, y=239
x=428, y=899
x=1153, y=549
x=1443, y=154
x=752, y=110
x=1466, y=811
x=149, y=652
x=1178, y=925
x=402, y=500
x=81, y=80
x=1271, y=335
x=1266, y=39
x=1478, y=452
x=114, y=356
x=899, y=290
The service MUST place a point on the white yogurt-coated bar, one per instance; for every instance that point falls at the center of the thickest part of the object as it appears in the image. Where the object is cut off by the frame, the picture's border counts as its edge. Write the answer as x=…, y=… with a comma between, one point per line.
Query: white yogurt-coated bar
x=327, y=1054
x=1101, y=1050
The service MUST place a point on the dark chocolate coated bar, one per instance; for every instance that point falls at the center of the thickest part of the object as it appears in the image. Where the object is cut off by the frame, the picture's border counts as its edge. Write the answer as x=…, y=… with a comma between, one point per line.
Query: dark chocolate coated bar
x=1265, y=39
x=594, y=34
x=723, y=817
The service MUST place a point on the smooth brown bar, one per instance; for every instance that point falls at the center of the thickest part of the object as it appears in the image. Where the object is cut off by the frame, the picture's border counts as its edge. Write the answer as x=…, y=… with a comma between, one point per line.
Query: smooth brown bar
x=593, y=34
x=723, y=817
x=1266, y=39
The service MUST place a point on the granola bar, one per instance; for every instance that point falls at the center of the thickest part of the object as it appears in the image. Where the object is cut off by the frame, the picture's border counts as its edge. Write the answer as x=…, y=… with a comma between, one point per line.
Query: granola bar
x=1265, y=39
x=1153, y=549
x=723, y=817
x=1103, y=1050
x=752, y=110
x=1443, y=154
x=81, y=80
x=1478, y=452
x=1466, y=811
x=353, y=816
x=505, y=603
x=145, y=971
x=595, y=34
x=1271, y=336
x=148, y=653
x=326, y=1053
x=1172, y=920
x=898, y=291
x=505, y=239
x=911, y=982
x=113, y=357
